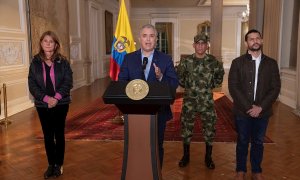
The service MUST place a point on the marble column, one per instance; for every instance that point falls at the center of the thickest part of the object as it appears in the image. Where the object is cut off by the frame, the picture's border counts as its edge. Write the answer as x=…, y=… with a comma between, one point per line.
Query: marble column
x=297, y=110
x=216, y=28
x=256, y=17
x=271, y=28
x=253, y=14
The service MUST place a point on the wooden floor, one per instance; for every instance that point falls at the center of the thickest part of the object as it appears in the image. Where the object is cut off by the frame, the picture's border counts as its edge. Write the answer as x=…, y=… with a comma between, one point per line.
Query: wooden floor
x=23, y=157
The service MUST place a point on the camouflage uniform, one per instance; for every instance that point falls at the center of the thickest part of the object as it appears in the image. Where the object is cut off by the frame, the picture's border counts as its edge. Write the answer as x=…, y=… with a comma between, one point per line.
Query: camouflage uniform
x=199, y=77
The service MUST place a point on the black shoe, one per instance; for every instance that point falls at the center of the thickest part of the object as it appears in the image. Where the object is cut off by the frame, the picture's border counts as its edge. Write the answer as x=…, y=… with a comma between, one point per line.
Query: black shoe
x=186, y=156
x=58, y=170
x=209, y=163
x=184, y=161
x=208, y=159
x=49, y=172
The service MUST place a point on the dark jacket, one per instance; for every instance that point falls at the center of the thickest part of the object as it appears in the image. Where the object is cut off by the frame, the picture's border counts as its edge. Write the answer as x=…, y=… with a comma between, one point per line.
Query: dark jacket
x=131, y=69
x=241, y=84
x=63, y=81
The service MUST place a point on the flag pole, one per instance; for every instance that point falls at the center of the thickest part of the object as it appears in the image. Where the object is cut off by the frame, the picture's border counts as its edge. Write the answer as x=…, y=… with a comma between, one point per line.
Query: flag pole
x=118, y=119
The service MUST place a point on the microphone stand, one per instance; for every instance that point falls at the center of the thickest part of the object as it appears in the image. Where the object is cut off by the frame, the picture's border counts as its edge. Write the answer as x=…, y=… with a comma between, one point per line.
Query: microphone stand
x=145, y=62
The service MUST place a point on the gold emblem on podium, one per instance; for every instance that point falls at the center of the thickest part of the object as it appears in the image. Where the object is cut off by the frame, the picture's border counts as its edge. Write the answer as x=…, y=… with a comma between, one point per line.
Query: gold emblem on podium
x=137, y=89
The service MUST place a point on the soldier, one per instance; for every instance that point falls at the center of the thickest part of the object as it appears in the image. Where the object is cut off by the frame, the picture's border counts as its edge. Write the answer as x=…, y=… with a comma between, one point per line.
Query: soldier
x=199, y=74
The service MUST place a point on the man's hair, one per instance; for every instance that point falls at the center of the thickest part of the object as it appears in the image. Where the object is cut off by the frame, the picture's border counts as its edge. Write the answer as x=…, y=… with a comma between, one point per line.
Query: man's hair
x=252, y=31
x=149, y=26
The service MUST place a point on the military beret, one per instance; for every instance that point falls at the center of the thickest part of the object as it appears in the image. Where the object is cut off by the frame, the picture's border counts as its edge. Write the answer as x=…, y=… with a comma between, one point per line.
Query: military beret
x=201, y=37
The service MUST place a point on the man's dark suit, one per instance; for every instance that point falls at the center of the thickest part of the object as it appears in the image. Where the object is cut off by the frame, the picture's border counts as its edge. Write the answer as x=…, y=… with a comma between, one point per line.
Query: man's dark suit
x=131, y=69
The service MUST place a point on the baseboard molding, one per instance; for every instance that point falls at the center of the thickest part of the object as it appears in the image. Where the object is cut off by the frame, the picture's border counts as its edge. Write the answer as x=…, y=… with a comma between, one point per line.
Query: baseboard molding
x=16, y=108
x=287, y=101
x=297, y=112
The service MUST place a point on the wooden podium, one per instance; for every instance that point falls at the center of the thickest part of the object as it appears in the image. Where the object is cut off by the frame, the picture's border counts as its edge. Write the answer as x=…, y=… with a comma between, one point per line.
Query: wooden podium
x=141, y=156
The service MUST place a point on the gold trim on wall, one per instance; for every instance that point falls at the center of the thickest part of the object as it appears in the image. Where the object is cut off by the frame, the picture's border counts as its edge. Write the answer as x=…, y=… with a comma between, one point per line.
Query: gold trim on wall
x=108, y=31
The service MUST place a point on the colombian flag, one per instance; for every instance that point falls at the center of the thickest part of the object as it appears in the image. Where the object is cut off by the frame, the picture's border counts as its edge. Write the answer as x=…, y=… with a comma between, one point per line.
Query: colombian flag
x=122, y=42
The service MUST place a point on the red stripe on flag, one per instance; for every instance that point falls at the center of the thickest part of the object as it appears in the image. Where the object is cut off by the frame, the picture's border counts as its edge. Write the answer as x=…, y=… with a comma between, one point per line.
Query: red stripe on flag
x=114, y=69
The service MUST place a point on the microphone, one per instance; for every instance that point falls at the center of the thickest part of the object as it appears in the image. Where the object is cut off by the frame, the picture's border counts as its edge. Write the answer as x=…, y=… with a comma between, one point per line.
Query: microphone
x=145, y=61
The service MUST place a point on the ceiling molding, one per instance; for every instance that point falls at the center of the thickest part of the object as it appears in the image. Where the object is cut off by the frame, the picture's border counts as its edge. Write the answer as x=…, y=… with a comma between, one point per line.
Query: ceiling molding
x=182, y=3
x=201, y=2
x=183, y=13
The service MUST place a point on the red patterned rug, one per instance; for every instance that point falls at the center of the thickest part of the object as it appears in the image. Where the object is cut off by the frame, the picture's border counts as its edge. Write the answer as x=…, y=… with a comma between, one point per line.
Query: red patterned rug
x=94, y=122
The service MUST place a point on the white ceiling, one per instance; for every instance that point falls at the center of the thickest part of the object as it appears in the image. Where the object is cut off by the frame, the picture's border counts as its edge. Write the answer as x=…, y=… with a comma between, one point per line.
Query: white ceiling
x=182, y=3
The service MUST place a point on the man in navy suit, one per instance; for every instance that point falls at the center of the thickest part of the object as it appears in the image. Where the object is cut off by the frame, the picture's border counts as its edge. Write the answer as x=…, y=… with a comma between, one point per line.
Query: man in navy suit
x=153, y=66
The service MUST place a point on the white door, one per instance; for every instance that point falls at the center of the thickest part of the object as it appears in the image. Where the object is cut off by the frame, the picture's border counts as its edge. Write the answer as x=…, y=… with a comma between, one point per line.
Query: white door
x=94, y=48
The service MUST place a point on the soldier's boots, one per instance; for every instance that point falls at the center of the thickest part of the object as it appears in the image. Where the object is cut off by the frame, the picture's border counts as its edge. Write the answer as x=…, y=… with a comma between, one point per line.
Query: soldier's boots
x=186, y=156
x=208, y=159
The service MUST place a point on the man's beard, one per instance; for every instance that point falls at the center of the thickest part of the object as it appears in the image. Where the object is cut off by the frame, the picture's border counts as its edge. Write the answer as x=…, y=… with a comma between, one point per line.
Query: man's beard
x=255, y=49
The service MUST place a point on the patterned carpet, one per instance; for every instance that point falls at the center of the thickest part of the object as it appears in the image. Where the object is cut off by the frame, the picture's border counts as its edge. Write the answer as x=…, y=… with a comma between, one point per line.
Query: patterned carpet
x=95, y=122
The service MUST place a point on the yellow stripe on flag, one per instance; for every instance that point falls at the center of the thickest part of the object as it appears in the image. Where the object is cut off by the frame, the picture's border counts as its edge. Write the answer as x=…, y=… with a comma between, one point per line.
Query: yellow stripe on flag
x=123, y=30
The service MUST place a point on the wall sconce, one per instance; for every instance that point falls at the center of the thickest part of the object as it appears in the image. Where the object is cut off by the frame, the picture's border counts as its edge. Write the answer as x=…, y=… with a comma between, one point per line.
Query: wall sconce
x=245, y=14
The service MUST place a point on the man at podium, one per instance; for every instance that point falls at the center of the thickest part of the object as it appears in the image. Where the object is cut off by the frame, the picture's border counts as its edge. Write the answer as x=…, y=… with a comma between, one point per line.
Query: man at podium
x=152, y=66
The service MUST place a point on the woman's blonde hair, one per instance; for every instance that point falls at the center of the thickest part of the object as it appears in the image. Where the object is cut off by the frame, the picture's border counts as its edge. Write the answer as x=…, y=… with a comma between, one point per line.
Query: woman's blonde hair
x=56, y=48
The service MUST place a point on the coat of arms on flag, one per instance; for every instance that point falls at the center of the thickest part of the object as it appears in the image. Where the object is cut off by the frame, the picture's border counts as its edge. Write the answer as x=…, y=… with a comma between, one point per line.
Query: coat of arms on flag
x=121, y=44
